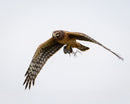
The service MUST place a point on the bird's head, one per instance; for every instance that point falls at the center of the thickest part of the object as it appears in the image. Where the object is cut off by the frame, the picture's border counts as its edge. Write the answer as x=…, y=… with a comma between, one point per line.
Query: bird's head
x=58, y=35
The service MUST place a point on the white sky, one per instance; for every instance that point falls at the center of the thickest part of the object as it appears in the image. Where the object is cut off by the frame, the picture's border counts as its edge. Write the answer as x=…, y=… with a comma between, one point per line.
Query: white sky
x=93, y=77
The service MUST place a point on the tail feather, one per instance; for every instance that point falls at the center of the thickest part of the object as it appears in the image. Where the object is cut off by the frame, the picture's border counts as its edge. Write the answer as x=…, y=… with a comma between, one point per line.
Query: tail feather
x=83, y=48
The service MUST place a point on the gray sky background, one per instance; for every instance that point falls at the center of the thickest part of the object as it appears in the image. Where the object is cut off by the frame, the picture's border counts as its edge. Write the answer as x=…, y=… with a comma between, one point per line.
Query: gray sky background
x=93, y=77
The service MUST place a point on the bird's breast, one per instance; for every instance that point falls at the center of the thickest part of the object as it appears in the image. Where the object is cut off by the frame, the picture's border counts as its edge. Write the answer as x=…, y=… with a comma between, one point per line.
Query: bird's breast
x=67, y=40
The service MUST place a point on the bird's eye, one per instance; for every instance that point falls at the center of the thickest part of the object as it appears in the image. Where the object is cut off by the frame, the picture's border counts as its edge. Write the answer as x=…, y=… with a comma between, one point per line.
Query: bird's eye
x=57, y=34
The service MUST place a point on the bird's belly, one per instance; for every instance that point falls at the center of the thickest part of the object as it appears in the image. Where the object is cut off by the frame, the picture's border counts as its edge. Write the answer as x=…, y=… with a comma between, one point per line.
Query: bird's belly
x=68, y=41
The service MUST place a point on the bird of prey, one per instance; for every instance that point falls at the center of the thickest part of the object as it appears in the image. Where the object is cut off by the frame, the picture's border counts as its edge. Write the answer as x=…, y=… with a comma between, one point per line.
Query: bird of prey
x=59, y=39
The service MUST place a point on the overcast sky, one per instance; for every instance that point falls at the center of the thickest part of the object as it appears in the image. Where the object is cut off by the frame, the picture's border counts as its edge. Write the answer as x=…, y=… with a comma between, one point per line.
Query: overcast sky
x=93, y=77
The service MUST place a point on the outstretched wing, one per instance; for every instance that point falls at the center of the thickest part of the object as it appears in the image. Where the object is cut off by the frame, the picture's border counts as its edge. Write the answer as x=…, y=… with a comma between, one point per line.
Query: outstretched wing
x=42, y=54
x=81, y=36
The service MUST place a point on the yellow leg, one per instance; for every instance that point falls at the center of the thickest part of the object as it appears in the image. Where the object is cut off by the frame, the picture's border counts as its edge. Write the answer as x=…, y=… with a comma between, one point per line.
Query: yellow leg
x=68, y=49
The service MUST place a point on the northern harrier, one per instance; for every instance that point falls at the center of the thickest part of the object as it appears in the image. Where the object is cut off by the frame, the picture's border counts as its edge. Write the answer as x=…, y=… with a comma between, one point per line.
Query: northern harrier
x=47, y=49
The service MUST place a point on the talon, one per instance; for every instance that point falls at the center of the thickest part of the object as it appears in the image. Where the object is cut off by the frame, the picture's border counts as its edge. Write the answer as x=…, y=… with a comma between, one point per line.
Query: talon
x=68, y=49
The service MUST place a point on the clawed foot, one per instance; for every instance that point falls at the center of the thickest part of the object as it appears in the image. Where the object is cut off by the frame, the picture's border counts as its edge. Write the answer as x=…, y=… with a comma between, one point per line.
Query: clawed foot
x=68, y=50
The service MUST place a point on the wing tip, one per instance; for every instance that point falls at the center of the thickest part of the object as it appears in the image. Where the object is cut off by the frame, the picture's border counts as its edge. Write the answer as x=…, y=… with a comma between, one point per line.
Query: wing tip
x=28, y=82
x=121, y=58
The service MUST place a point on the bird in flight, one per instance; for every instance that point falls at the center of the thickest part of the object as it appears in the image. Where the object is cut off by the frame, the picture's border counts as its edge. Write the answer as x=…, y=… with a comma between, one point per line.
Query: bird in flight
x=59, y=39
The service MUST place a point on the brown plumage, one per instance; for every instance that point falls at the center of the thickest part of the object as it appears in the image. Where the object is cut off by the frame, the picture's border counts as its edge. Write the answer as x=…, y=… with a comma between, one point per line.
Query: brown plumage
x=51, y=46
